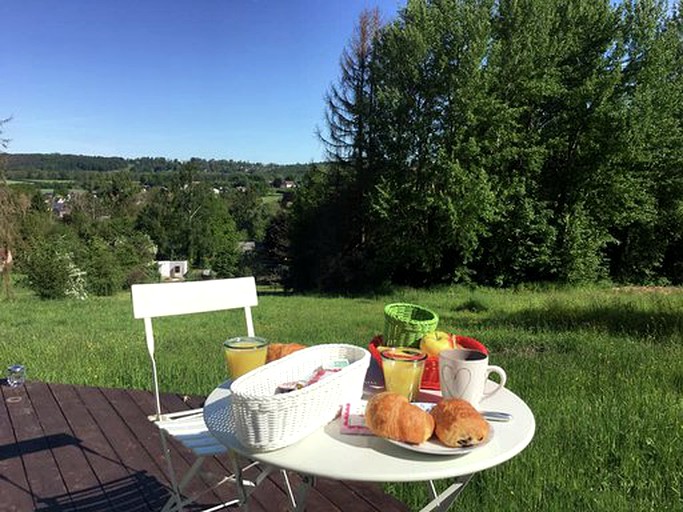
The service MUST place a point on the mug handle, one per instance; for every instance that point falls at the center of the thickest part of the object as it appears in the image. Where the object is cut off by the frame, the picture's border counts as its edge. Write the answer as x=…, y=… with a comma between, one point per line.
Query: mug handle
x=503, y=379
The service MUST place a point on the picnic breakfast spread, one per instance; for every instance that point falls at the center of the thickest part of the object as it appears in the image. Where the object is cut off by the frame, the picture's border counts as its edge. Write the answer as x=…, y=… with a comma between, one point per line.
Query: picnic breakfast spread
x=296, y=389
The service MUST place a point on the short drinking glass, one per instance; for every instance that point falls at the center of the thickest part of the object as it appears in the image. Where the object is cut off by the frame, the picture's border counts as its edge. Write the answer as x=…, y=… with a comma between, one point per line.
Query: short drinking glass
x=402, y=368
x=243, y=354
x=16, y=375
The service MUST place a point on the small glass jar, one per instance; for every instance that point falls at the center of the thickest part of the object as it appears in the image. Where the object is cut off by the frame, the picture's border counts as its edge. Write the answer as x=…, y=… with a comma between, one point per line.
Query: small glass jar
x=16, y=375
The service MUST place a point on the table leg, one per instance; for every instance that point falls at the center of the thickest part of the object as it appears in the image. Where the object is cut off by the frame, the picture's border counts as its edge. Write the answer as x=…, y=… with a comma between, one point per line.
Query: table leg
x=307, y=481
x=443, y=501
x=242, y=493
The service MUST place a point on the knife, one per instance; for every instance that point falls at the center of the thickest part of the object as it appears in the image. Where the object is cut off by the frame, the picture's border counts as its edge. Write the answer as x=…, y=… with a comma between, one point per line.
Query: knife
x=496, y=416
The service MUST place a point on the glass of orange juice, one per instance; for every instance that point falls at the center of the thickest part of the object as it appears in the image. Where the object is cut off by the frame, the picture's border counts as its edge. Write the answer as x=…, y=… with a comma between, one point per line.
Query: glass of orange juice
x=243, y=354
x=402, y=368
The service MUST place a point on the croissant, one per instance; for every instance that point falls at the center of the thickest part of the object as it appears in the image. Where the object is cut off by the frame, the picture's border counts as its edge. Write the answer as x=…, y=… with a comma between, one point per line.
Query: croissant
x=392, y=416
x=278, y=350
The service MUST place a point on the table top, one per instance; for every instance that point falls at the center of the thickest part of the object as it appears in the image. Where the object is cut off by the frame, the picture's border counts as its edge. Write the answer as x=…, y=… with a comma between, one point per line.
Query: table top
x=328, y=453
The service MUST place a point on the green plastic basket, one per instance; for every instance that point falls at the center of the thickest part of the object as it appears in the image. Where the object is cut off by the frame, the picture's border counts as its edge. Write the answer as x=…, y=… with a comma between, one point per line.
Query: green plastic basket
x=404, y=324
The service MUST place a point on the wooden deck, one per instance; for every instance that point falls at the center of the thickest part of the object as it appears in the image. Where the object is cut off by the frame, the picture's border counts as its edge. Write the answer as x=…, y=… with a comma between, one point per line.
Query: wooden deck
x=79, y=448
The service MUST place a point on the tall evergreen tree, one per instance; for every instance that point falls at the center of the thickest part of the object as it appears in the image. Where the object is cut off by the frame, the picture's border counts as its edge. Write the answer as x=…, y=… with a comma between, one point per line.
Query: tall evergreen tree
x=331, y=233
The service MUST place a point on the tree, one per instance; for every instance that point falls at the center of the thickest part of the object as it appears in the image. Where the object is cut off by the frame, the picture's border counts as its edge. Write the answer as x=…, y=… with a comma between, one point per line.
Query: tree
x=248, y=211
x=649, y=240
x=4, y=142
x=553, y=70
x=13, y=206
x=6, y=231
x=431, y=118
x=349, y=102
x=189, y=221
x=51, y=269
x=273, y=256
x=331, y=232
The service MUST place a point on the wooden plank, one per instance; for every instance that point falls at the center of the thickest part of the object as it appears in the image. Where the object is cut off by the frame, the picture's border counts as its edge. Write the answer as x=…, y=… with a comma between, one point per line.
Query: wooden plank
x=316, y=500
x=42, y=472
x=73, y=465
x=106, y=455
x=14, y=488
x=122, y=442
x=181, y=457
x=342, y=496
x=144, y=431
x=374, y=494
x=96, y=447
x=271, y=494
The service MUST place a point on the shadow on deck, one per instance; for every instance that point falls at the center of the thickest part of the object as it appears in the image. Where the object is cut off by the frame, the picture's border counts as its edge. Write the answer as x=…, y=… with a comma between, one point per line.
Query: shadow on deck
x=89, y=449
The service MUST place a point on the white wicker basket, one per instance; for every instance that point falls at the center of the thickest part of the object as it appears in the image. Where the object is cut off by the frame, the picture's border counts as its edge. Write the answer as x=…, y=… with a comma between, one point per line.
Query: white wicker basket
x=265, y=421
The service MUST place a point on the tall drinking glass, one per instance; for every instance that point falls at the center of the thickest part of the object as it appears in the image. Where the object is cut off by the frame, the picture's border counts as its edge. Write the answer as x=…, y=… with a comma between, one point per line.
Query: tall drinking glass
x=243, y=354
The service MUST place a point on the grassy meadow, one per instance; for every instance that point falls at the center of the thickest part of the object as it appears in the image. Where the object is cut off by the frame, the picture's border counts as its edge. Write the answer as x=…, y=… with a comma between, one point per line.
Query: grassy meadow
x=602, y=369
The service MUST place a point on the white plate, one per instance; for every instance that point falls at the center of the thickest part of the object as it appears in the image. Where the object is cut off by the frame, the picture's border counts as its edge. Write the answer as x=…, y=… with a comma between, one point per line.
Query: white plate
x=435, y=447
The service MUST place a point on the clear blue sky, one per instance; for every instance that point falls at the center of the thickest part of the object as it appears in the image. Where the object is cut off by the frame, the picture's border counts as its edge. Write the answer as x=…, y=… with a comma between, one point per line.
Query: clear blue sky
x=223, y=79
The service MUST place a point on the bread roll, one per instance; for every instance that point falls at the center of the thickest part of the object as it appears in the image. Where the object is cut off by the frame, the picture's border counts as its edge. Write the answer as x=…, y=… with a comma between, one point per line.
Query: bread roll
x=278, y=350
x=458, y=424
x=392, y=416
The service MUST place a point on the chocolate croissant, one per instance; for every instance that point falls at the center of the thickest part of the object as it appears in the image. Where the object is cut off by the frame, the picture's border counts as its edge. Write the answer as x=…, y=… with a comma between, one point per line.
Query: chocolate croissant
x=458, y=424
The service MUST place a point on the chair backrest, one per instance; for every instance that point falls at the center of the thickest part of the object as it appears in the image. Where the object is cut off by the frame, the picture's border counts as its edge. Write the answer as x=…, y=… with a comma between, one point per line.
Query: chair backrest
x=169, y=299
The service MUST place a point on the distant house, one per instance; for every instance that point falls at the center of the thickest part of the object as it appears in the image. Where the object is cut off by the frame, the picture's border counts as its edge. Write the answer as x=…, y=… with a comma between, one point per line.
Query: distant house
x=60, y=207
x=288, y=184
x=172, y=269
x=246, y=246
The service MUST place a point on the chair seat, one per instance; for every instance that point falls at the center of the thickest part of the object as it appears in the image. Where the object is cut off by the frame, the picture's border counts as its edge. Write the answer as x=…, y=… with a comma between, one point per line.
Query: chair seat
x=189, y=429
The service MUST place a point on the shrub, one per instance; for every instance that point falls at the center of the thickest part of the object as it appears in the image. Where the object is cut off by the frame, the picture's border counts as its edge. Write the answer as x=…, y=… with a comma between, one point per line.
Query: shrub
x=105, y=275
x=51, y=271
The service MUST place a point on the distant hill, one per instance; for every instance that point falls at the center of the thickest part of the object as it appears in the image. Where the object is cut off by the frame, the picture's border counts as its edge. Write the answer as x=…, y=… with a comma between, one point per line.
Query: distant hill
x=56, y=165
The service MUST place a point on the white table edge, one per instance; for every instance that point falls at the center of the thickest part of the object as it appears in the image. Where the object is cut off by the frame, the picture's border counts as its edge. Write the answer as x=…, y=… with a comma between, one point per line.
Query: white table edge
x=438, y=468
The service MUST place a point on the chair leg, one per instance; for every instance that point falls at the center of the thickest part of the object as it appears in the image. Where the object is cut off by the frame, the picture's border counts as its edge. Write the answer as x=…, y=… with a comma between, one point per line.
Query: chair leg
x=190, y=475
x=176, y=503
x=290, y=492
x=175, y=499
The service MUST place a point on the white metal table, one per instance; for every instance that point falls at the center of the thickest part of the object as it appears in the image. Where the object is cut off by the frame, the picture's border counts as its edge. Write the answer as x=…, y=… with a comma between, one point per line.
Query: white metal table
x=327, y=453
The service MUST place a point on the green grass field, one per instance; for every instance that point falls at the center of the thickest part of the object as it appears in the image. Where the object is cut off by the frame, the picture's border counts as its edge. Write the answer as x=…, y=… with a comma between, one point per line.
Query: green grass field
x=602, y=369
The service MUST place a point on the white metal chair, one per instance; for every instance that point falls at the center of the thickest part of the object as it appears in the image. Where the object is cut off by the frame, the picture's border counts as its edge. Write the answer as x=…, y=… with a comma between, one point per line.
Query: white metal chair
x=188, y=427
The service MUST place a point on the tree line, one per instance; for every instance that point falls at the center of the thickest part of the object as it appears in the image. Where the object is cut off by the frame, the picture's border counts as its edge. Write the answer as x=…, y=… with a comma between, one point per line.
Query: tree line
x=84, y=169
x=494, y=142
x=103, y=241
x=500, y=142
